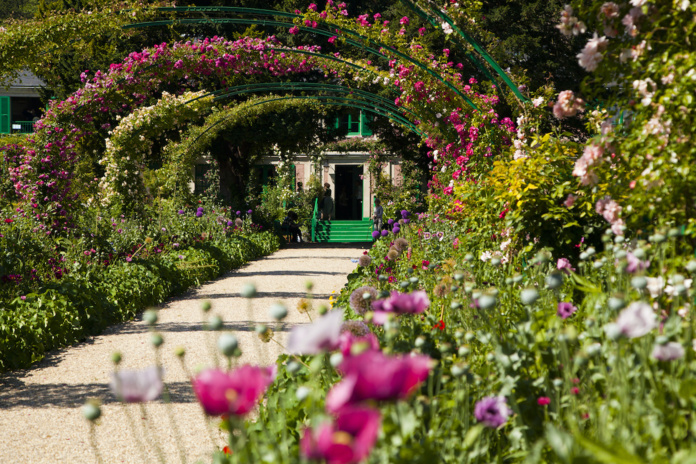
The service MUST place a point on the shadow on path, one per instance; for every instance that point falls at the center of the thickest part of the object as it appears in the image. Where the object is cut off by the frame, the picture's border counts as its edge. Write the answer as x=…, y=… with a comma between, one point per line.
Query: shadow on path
x=14, y=393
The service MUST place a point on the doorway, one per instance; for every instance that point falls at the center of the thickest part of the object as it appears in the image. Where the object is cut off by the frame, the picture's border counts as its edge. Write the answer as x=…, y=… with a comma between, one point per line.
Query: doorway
x=349, y=189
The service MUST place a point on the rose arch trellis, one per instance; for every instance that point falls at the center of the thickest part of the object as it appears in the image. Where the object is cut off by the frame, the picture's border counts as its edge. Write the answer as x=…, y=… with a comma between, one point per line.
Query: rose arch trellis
x=426, y=102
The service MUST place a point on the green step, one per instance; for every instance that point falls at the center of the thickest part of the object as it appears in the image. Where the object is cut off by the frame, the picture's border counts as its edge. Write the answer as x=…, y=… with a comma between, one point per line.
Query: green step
x=343, y=231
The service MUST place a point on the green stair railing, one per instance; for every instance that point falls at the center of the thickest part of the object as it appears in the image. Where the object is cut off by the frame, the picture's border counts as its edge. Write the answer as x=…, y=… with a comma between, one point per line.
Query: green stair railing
x=314, y=217
x=23, y=127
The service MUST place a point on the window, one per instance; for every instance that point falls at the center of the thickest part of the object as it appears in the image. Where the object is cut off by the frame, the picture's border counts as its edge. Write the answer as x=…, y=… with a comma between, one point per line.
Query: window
x=355, y=122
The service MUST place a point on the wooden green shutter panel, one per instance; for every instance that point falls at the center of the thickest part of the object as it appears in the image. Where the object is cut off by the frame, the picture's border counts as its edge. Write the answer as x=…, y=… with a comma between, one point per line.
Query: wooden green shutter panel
x=5, y=115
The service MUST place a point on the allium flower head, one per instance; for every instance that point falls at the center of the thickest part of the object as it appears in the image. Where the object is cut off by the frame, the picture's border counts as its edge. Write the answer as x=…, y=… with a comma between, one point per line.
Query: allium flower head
x=365, y=260
x=357, y=328
x=374, y=376
x=348, y=440
x=137, y=386
x=401, y=244
x=492, y=411
x=320, y=336
x=238, y=222
x=235, y=392
x=636, y=320
x=357, y=301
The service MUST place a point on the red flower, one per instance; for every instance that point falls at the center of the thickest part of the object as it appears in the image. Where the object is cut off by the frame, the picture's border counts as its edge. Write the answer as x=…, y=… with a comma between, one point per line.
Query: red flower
x=227, y=450
x=440, y=325
x=503, y=213
x=575, y=390
x=8, y=221
x=543, y=400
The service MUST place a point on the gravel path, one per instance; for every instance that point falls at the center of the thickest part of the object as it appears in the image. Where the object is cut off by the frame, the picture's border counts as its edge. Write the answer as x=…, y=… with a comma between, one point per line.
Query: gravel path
x=40, y=418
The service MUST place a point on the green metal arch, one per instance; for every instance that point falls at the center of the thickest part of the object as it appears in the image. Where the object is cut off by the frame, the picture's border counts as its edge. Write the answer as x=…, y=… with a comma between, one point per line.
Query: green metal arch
x=314, y=31
x=412, y=5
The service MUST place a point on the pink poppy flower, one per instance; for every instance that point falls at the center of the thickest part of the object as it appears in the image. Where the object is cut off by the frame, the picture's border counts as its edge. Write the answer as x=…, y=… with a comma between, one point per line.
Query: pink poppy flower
x=374, y=376
x=349, y=439
x=137, y=386
x=235, y=392
x=318, y=337
x=399, y=303
x=362, y=343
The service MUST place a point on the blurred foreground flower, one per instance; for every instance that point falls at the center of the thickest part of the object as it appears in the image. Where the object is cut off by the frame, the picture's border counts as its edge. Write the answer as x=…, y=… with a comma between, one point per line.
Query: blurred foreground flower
x=399, y=303
x=235, y=392
x=375, y=376
x=492, y=411
x=137, y=386
x=320, y=336
x=636, y=320
x=346, y=441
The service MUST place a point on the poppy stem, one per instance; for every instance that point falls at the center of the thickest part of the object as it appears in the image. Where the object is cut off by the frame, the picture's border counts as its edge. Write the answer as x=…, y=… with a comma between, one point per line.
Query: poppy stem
x=93, y=441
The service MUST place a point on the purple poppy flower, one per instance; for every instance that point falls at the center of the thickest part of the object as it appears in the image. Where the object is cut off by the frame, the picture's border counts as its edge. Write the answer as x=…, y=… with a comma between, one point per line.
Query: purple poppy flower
x=492, y=411
x=668, y=352
x=320, y=336
x=250, y=211
x=636, y=320
x=230, y=223
x=181, y=211
x=346, y=441
x=374, y=376
x=565, y=310
x=137, y=386
x=238, y=213
x=235, y=392
x=375, y=233
x=385, y=233
x=635, y=264
x=399, y=303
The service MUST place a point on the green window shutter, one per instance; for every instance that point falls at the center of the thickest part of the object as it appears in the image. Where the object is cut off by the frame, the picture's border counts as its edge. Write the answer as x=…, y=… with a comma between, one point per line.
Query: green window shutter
x=5, y=115
x=365, y=120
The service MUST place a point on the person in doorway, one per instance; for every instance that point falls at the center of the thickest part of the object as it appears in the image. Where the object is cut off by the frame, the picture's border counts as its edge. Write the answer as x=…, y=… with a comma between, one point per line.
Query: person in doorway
x=327, y=204
x=377, y=216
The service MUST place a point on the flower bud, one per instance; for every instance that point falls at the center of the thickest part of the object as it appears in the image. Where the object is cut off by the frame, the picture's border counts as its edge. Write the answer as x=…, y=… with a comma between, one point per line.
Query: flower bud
x=156, y=340
x=293, y=367
x=150, y=317
x=278, y=311
x=180, y=351
x=413, y=280
x=206, y=306
x=615, y=303
x=91, y=410
x=486, y=301
x=309, y=285
x=302, y=393
x=227, y=344
x=215, y=323
x=639, y=282
x=249, y=291
x=468, y=257
x=529, y=296
x=336, y=359
x=554, y=280
x=116, y=358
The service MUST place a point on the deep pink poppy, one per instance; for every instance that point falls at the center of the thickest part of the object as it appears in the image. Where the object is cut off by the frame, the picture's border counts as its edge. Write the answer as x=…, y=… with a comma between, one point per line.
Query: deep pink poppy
x=375, y=376
x=349, y=439
x=235, y=392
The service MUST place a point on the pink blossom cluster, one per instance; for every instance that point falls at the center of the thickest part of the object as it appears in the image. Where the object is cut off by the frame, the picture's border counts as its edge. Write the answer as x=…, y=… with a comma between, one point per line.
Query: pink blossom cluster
x=568, y=105
x=610, y=210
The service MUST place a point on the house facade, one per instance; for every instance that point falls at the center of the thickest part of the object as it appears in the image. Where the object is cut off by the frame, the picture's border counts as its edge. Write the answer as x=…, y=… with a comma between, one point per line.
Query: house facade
x=20, y=104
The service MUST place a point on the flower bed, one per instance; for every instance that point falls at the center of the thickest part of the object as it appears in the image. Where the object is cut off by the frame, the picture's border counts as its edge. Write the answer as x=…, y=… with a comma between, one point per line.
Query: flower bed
x=91, y=283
